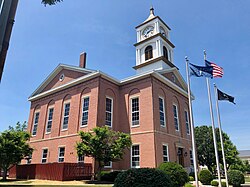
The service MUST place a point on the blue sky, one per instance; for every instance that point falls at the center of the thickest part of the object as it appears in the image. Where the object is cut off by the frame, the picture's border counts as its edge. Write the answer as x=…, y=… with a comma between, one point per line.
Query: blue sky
x=42, y=37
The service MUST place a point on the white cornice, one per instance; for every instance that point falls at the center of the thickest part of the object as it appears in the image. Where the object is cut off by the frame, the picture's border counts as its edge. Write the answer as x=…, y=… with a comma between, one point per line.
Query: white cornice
x=69, y=84
x=89, y=76
x=171, y=84
x=59, y=68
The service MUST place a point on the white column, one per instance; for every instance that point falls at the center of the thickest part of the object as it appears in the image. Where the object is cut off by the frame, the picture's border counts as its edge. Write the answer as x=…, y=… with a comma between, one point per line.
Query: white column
x=138, y=57
x=138, y=36
x=157, y=27
x=160, y=48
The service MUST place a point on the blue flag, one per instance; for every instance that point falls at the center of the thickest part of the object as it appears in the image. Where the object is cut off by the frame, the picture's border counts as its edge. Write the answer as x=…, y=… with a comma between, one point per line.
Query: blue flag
x=201, y=71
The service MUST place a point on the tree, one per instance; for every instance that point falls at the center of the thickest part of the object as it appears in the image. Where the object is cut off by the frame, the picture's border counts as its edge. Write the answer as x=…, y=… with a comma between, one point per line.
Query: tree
x=103, y=145
x=205, y=148
x=13, y=146
x=51, y=2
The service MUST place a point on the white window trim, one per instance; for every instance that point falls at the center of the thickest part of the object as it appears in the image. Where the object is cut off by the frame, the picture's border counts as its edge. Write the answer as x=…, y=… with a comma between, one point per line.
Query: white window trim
x=44, y=148
x=84, y=97
x=48, y=119
x=131, y=122
x=34, y=118
x=164, y=113
x=131, y=165
x=188, y=133
x=177, y=111
x=164, y=144
x=64, y=104
x=112, y=104
x=59, y=154
x=110, y=166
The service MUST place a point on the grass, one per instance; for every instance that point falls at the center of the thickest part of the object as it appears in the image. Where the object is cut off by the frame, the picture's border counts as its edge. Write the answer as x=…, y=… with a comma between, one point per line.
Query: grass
x=55, y=185
x=47, y=183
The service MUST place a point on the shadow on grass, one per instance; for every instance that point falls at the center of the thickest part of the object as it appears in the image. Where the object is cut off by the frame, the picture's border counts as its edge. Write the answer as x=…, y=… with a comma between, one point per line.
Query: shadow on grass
x=98, y=182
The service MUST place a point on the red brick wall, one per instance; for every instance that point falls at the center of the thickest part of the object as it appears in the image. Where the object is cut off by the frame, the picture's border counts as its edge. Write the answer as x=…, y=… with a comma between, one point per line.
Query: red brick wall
x=149, y=134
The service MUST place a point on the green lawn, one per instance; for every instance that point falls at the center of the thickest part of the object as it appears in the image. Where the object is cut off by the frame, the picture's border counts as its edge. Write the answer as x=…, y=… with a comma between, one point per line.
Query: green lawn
x=55, y=185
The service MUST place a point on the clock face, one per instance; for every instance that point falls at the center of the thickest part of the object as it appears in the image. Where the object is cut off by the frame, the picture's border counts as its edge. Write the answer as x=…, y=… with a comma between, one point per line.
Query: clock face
x=162, y=31
x=148, y=31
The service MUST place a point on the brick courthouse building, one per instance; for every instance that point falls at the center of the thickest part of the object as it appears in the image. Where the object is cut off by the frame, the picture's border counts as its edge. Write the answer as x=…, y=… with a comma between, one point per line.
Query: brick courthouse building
x=152, y=106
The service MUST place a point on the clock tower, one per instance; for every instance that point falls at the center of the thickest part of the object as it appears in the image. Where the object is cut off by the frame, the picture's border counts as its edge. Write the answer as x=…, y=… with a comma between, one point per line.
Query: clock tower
x=154, y=51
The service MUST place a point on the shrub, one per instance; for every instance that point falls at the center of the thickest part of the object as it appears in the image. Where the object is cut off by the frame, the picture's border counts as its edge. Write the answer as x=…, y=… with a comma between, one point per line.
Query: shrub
x=191, y=178
x=109, y=176
x=223, y=184
x=205, y=176
x=176, y=172
x=143, y=177
x=235, y=178
x=214, y=183
x=191, y=174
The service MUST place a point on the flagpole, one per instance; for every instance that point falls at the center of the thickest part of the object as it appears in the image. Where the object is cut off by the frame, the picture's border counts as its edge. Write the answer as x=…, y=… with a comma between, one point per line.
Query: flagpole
x=192, y=124
x=213, y=128
x=221, y=137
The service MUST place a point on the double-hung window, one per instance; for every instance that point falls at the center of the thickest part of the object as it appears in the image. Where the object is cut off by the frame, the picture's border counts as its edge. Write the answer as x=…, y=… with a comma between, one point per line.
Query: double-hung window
x=66, y=116
x=50, y=117
x=61, y=152
x=187, y=122
x=135, y=111
x=162, y=112
x=36, y=118
x=191, y=158
x=109, y=111
x=81, y=158
x=44, y=155
x=135, y=156
x=176, y=119
x=165, y=153
x=85, y=111
x=108, y=164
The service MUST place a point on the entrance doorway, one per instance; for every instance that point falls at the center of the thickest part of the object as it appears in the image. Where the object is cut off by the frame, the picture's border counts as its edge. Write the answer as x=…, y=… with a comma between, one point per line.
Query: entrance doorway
x=180, y=156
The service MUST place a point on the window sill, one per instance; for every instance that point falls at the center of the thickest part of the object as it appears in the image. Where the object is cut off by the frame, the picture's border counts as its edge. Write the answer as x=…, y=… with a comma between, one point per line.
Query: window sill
x=107, y=167
x=134, y=126
x=64, y=129
x=83, y=126
x=47, y=133
x=136, y=167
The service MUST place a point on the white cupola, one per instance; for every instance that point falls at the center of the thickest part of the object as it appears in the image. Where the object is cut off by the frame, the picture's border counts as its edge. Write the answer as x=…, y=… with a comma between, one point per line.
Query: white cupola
x=154, y=51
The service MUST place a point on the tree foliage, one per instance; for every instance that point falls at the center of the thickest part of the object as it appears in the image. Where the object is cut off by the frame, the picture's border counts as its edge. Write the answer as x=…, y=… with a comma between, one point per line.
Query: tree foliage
x=205, y=148
x=50, y=2
x=104, y=145
x=13, y=146
x=240, y=165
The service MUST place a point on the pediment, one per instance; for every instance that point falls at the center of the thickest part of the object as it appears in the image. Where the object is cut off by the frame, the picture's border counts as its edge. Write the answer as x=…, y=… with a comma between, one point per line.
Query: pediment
x=175, y=77
x=61, y=75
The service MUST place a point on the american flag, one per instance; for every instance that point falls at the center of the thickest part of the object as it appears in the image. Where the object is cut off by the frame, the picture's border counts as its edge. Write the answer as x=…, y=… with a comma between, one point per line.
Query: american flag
x=217, y=70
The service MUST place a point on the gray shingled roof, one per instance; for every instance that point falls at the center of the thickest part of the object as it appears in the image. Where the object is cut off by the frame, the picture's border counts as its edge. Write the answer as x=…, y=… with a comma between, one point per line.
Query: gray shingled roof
x=244, y=153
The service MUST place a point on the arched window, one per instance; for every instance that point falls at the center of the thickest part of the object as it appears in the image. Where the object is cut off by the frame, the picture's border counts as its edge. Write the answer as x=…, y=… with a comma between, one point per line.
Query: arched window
x=148, y=52
x=165, y=52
